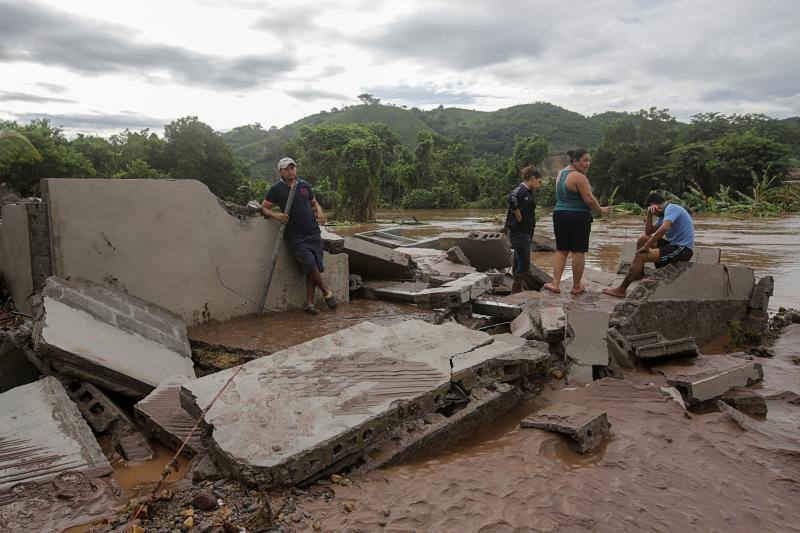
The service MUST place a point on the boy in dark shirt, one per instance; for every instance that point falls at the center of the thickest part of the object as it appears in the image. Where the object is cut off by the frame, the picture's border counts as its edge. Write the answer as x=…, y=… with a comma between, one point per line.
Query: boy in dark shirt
x=302, y=233
x=521, y=221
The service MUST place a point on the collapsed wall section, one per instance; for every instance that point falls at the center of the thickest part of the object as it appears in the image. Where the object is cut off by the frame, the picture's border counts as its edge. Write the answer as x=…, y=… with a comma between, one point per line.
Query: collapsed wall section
x=24, y=250
x=172, y=243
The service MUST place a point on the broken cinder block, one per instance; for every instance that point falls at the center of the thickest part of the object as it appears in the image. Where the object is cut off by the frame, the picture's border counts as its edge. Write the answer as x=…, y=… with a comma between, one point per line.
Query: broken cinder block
x=711, y=376
x=584, y=426
x=485, y=250
x=664, y=350
x=620, y=349
x=133, y=343
x=164, y=417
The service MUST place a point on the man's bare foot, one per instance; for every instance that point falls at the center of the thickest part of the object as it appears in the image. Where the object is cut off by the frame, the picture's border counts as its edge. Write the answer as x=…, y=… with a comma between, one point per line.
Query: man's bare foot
x=552, y=288
x=580, y=288
x=615, y=292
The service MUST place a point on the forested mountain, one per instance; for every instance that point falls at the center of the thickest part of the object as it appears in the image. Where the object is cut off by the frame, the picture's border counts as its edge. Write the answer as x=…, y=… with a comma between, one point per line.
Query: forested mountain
x=483, y=133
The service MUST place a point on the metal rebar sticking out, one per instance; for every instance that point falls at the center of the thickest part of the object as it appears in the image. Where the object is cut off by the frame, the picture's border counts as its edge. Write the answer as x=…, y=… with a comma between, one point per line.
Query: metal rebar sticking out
x=274, y=259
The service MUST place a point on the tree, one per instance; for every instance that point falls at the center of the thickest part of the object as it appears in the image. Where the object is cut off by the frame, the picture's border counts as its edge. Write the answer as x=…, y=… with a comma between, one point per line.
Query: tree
x=369, y=99
x=736, y=157
x=15, y=146
x=99, y=152
x=195, y=151
x=527, y=151
x=58, y=158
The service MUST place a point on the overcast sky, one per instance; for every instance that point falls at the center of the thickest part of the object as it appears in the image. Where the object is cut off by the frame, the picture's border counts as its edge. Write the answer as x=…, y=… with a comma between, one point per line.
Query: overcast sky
x=103, y=66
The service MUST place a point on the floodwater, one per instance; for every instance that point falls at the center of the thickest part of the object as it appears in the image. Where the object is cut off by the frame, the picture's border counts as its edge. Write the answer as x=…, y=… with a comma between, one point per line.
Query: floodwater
x=767, y=245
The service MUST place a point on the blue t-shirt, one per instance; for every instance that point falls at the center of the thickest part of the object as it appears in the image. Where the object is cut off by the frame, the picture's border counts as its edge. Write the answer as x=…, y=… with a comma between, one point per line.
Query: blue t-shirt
x=681, y=233
x=302, y=220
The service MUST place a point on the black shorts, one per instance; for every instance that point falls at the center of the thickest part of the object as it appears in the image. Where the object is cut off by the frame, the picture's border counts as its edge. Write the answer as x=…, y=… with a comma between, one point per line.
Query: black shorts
x=308, y=253
x=669, y=253
x=572, y=229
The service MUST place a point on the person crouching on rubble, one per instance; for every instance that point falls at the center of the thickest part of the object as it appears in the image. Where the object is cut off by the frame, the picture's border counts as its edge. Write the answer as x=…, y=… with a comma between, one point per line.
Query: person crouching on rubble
x=669, y=240
x=302, y=233
x=521, y=222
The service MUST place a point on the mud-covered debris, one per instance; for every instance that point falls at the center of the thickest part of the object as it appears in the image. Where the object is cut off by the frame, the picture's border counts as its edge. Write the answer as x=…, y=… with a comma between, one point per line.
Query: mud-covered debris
x=584, y=426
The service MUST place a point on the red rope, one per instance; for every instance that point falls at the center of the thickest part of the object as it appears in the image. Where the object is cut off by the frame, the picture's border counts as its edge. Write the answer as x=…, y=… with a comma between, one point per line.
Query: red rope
x=170, y=465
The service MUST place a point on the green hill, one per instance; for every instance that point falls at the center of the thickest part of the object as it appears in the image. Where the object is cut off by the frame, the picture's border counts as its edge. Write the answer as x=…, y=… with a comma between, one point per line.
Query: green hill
x=262, y=148
x=483, y=132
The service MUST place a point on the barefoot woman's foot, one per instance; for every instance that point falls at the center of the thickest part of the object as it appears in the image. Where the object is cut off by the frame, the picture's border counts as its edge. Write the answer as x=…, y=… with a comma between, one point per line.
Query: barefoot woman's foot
x=552, y=288
x=617, y=293
x=579, y=289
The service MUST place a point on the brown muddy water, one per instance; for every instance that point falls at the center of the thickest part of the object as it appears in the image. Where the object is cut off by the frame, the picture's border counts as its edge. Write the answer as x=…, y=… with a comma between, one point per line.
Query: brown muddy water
x=770, y=246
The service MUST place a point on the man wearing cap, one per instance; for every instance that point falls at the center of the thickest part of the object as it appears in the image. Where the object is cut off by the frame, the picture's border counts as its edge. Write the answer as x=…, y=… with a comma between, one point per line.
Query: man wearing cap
x=302, y=233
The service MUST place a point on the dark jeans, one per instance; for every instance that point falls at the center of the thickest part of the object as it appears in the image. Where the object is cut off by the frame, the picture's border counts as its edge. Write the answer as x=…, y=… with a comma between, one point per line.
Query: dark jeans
x=521, y=244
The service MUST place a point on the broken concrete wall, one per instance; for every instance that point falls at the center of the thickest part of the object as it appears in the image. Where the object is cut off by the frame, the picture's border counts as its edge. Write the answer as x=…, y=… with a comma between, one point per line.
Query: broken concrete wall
x=374, y=261
x=695, y=299
x=288, y=417
x=485, y=250
x=24, y=250
x=114, y=340
x=44, y=435
x=171, y=242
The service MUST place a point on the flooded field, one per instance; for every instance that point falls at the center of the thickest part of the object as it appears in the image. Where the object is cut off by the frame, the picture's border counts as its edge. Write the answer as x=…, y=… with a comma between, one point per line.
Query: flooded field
x=768, y=245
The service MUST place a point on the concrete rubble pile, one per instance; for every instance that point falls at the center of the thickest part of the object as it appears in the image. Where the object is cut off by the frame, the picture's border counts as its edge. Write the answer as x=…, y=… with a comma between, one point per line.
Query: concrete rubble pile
x=322, y=405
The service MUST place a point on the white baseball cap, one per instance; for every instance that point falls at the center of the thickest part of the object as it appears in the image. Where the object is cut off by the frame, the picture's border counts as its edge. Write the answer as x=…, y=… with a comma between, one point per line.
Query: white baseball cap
x=285, y=162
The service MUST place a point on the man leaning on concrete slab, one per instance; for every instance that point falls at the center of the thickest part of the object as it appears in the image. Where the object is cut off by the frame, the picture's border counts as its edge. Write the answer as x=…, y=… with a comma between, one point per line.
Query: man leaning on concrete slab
x=669, y=240
x=302, y=233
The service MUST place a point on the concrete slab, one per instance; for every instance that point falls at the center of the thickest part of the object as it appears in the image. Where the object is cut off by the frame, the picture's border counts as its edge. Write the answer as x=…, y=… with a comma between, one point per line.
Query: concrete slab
x=586, y=427
x=700, y=254
x=451, y=294
x=746, y=401
x=436, y=263
x=456, y=255
x=585, y=337
x=619, y=348
x=331, y=242
x=24, y=250
x=133, y=343
x=44, y=435
x=492, y=307
x=522, y=326
x=711, y=376
x=165, y=419
x=378, y=262
x=549, y=323
x=662, y=351
x=390, y=238
x=485, y=250
x=287, y=417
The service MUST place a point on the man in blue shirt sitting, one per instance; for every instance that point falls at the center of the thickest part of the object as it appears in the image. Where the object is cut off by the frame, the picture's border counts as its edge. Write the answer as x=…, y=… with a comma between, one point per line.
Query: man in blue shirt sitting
x=670, y=239
x=302, y=233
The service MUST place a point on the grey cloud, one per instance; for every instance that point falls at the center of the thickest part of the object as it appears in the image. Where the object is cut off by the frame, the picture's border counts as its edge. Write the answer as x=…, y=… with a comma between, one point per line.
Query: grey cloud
x=92, y=122
x=35, y=98
x=39, y=35
x=52, y=87
x=423, y=95
x=463, y=39
x=309, y=94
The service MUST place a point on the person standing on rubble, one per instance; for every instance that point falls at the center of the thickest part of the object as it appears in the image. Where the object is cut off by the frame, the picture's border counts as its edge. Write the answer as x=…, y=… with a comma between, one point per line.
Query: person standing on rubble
x=669, y=240
x=572, y=220
x=521, y=222
x=302, y=229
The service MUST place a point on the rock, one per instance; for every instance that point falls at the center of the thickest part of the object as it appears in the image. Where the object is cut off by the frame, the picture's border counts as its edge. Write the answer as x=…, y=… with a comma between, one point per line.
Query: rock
x=535, y=278
x=348, y=507
x=549, y=323
x=761, y=351
x=759, y=297
x=584, y=426
x=205, y=501
x=296, y=517
x=189, y=522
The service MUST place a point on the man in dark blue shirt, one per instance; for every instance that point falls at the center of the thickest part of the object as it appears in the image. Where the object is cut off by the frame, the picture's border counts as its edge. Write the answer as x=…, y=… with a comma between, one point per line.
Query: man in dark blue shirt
x=520, y=223
x=302, y=233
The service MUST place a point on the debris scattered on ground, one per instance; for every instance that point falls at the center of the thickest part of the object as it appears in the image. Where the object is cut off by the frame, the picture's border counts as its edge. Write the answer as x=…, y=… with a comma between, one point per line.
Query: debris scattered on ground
x=586, y=427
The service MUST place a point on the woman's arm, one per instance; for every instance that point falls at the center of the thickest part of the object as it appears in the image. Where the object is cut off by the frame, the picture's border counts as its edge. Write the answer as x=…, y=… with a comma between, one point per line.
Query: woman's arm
x=585, y=191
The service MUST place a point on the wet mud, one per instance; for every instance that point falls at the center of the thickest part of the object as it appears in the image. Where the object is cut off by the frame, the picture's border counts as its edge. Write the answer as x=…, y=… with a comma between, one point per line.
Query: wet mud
x=277, y=331
x=660, y=470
